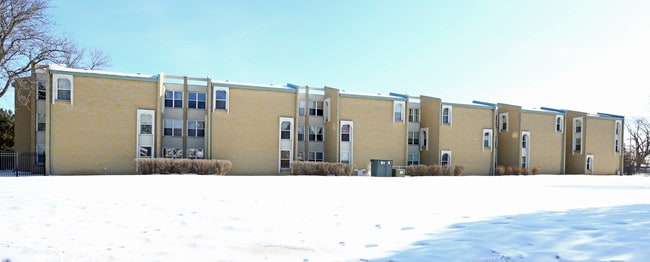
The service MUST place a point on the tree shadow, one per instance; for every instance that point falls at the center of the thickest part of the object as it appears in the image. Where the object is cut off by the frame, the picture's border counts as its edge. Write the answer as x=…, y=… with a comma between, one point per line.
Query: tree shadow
x=619, y=233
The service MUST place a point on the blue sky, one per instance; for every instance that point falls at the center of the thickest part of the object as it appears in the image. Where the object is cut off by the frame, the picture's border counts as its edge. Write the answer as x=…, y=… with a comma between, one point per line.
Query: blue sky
x=589, y=56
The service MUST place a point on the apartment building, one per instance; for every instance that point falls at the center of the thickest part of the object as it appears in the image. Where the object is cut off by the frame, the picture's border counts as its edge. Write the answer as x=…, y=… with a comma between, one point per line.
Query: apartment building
x=96, y=122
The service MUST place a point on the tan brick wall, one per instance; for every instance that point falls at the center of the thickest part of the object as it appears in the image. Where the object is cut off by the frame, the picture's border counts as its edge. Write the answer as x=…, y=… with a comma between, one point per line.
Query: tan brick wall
x=430, y=118
x=464, y=138
x=546, y=152
x=25, y=117
x=575, y=161
x=375, y=134
x=600, y=143
x=248, y=134
x=332, y=127
x=97, y=134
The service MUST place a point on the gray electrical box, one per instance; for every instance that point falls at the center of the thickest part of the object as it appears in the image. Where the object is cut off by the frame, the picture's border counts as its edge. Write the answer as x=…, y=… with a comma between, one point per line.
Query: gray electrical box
x=381, y=167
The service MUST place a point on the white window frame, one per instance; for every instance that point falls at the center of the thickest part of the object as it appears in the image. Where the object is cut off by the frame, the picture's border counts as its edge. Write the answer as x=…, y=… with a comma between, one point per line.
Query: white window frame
x=302, y=107
x=197, y=154
x=413, y=159
x=55, y=81
x=214, y=98
x=577, y=136
x=39, y=117
x=413, y=138
x=414, y=115
x=589, y=165
x=175, y=152
x=559, y=124
x=318, y=156
x=618, y=132
x=349, y=133
x=301, y=131
x=196, y=100
x=322, y=128
x=314, y=104
x=504, y=118
x=196, y=128
x=174, y=98
x=450, y=114
x=285, y=144
x=401, y=105
x=442, y=153
x=40, y=150
x=489, y=139
x=424, y=139
x=326, y=109
x=41, y=90
x=173, y=121
x=151, y=137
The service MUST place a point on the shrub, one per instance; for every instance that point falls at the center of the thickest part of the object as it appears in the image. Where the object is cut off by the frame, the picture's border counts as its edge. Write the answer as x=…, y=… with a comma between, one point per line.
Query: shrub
x=416, y=170
x=523, y=171
x=181, y=166
x=223, y=166
x=510, y=171
x=205, y=166
x=458, y=170
x=445, y=170
x=535, y=170
x=146, y=165
x=434, y=170
x=308, y=168
x=500, y=170
x=165, y=165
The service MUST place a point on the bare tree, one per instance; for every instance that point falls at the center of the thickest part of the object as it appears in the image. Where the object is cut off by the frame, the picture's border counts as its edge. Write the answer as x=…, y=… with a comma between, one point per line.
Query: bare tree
x=26, y=40
x=638, y=131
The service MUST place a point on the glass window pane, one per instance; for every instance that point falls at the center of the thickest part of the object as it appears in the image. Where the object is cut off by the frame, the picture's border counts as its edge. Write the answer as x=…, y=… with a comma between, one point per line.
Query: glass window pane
x=191, y=132
x=201, y=105
x=191, y=124
x=200, y=124
x=200, y=133
x=220, y=105
x=191, y=104
x=201, y=97
x=221, y=95
x=191, y=96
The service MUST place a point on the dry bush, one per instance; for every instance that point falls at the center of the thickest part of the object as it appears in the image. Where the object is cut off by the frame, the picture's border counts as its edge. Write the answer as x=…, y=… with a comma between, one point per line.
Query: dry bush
x=146, y=165
x=416, y=170
x=205, y=166
x=500, y=170
x=340, y=169
x=182, y=166
x=165, y=165
x=458, y=170
x=535, y=170
x=223, y=166
x=523, y=171
x=510, y=171
x=298, y=168
x=446, y=170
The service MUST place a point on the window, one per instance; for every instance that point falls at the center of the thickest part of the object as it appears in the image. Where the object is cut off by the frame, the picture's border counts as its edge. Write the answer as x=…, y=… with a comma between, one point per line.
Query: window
x=63, y=89
x=317, y=156
x=446, y=114
x=285, y=159
x=487, y=139
x=414, y=159
x=301, y=107
x=445, y=158
x=398, y=111
x=524, y=141
x=146, y=151
x=414, y=138
x=590, y=163
x=169, y=152
x=146, y=124
x=316, y=133
x=301, y=133
x=524, y=161
x=195, y=128
x=173, y=127
x=196, y=100
x=40, y=122
x=301, y=156
x=285, y=132
x=195, y=153
x=345, y=157
x=414, y=115
x=174, y=99
x=559, y=123
x=221, y=98
x=577, y=134
x=41, y=89
x=617, y=136
x=503, y=122
x=326, y=107
x=316, y=108
x=424, y=139
x=345, y=133
x=40, y=154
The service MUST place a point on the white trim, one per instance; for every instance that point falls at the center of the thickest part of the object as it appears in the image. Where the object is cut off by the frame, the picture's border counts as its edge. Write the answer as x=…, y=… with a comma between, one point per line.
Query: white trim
x=322, y=159
x=417, y=159
x=490, y=139
x=561, y=118
x=410, y=115
x=424, y=139
x=55, y=82
x=402, y=114
x=618, y=134
x=589, y=169
x=525, y=151
x=442, y=153
x=502, y=121
x=449, y=115
x=214, y=98
x=326, y=109
x=577, y=135
x=151, y=113
x=285, y=144
x=350, y=142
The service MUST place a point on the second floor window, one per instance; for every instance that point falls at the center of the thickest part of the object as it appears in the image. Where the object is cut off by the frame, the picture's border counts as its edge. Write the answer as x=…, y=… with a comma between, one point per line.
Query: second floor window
x=414, y=115
x=174, y=99
x=316, y=108
x=173, y=127
x=196, y=100
x=316, y=133
x=64, y=89
x=414, y=138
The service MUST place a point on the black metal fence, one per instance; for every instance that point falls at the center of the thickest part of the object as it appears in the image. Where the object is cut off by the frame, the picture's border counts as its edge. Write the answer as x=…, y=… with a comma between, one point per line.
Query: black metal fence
x=21, y=164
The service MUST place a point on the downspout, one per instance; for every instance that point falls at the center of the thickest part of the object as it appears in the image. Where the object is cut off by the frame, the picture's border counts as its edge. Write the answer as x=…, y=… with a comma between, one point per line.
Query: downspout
x=184, y=107
x=49, y=125
x=495, y=142
x=563, y=148
x=307, y=128
x=208, y=95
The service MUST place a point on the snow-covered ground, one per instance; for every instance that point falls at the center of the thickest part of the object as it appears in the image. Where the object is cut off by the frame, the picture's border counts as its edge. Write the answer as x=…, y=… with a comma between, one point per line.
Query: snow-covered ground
x=212, y=218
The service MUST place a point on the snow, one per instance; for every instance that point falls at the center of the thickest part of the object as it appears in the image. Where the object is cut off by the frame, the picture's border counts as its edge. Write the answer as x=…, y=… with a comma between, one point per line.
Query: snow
x=213, y=218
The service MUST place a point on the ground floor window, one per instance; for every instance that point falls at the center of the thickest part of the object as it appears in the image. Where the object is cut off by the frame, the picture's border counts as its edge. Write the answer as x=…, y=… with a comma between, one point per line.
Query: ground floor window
x=414, y=159
x=317, y=156
x=195, y=153
x=285, y=159
x=146, y=151
x=169, y=152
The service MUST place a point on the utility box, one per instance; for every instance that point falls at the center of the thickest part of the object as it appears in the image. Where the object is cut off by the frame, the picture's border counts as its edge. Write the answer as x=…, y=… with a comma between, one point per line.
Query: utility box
x=380, y=167
x=399, y=172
